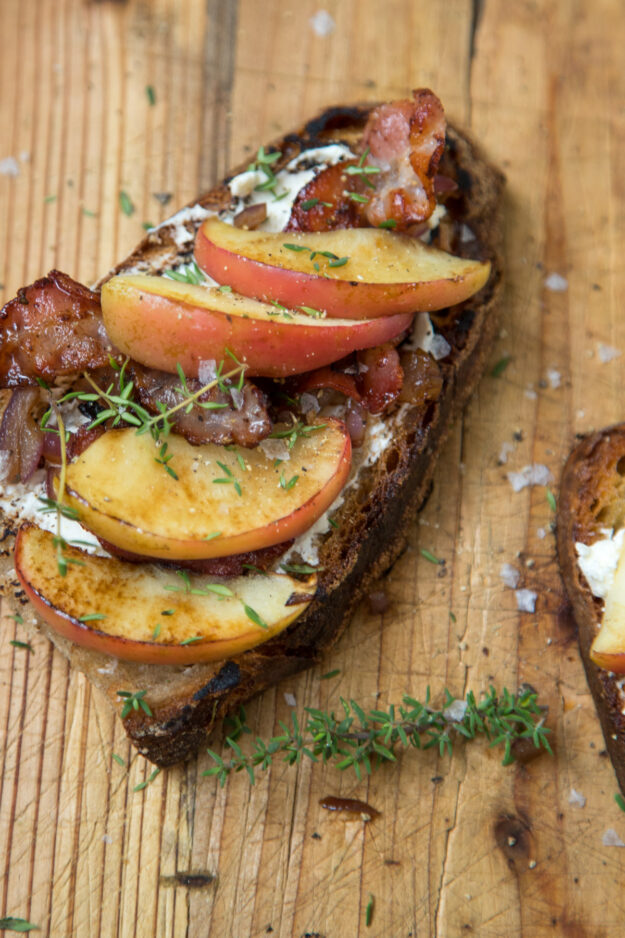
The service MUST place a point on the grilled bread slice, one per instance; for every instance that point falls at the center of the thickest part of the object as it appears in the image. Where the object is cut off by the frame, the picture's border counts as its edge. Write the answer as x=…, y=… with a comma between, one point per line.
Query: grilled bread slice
x=378, y=510
x=592, y=499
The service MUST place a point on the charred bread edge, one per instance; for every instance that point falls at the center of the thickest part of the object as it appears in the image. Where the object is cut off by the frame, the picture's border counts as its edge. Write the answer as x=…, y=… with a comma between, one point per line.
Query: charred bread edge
x=192, y=700
x=578, y=477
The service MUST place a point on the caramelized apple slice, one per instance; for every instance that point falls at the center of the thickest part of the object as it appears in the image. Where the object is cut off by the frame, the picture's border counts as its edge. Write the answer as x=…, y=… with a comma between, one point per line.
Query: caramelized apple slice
x=148, y=614
x=355, y=273
x=163, y=323
x=222, y=501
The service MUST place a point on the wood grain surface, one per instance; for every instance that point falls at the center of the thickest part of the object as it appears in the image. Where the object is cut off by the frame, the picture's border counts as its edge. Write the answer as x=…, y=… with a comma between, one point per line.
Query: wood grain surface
x=463, y=846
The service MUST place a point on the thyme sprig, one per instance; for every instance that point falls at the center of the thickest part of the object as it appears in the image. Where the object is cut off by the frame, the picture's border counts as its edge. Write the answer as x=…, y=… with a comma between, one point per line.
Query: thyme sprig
x=361, y=740
x=299, y=429
x=363, y=171
x=134, y=702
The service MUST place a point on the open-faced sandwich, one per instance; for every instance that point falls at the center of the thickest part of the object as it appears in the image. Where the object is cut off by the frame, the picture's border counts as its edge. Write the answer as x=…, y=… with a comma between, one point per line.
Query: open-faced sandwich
x=591, y=551
x=210, y=458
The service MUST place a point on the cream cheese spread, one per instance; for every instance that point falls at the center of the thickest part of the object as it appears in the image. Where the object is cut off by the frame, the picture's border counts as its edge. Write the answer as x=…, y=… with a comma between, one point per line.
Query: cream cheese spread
x=598, y=561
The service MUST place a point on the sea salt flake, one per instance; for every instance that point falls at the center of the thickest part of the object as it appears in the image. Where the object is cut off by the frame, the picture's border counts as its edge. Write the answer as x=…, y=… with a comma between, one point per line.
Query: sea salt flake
x=309, y=403
x=456, y=710
x=526, y=600
x=612, y=839
x=536, y=474
x=237, y=398
x=554, y=377
x=322, y=23
x=290, y=700
x=506, y=449
x=576, y=797
x=275, y=449
x=466, y=234
x=541, y=533
x=607, y=352
x=9, y=166
x=207, y=371
x=439, y=347
x=510, y=575
x=556, y=283
x=530, y=393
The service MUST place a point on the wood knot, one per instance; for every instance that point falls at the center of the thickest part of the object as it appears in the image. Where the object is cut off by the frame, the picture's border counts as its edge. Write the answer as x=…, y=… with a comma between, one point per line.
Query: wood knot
x=513, y=837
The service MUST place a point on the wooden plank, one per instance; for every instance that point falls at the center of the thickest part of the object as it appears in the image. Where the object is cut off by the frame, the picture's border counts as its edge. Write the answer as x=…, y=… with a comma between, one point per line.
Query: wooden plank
x=462, y=846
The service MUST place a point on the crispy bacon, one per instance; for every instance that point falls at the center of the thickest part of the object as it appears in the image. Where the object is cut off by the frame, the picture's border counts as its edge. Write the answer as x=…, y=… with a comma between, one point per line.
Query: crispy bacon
x=241, y=416
x=423, y=380
x=382, y=380
x=21, y=437
x=51, y=328
x=403, y=142
x=233, y=565
x=406, y=140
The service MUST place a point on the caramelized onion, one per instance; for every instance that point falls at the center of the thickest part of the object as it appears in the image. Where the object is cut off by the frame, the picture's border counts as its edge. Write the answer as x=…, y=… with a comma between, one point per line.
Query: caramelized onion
x=21, y=437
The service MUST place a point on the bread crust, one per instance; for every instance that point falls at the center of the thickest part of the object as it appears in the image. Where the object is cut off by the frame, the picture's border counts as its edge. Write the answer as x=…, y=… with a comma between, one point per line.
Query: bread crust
x=592, y=496
x=377, y=513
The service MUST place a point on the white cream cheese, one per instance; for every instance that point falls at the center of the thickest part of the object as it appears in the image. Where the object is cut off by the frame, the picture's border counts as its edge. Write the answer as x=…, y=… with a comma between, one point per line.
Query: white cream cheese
x=598, y=561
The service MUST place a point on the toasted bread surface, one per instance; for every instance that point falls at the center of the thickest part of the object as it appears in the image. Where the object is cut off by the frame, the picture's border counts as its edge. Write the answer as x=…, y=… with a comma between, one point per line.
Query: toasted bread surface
x=376, y=515
x=592, y=497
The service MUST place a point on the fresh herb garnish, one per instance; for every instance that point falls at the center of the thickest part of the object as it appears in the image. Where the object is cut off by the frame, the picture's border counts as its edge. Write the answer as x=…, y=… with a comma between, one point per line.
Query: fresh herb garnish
x=430, y=556
x=147, y=782
x=134, y=702
x=16, y=618
x=88, y=212
x=310, y=203
x=264, y=163
x=363, y=740
x=299, y=429
x=224, y=288
x=26, y=646
x=151, y=94
x=501, y=366
x=254, y=616
x=329, y=674
x=92, y=617
x=303, y=569
x=363, y=171
x=355, y=196
x=119, y=760
x=212, y=535
x=17, y=924
x=157, y=631
x=163, y=459
x=285, y=484
x=620, y=800
x=369, y=910
x=189, y=641
x=333, y=259
x=125, y=203
x=551, y=499
x=50, y=198
x=189, y=273
x=388, y=223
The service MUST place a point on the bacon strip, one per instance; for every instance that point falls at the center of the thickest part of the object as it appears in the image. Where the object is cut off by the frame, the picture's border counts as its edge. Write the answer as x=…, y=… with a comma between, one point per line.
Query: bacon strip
x=241, y=417
x=51, y=328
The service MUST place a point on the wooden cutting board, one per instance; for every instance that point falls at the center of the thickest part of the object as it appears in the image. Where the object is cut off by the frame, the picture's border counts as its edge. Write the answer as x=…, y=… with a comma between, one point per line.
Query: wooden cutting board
x=463, y=845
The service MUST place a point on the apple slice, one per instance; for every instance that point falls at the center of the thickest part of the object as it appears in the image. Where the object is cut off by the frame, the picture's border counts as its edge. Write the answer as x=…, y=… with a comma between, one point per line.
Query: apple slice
x=163, y=323
x=148, y=614
x=608, y=647
x=223, y=501
x=370, y=272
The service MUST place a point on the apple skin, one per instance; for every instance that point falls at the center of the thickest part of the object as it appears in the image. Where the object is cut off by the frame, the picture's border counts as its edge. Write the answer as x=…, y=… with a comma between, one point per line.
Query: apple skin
x=163, y=323
x=386, y=274
x=124, y=496
x=132, y=598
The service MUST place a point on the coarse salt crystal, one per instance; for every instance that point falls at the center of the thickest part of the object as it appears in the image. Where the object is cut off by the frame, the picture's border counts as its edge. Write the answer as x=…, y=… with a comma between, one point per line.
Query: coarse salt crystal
x=455, y=711
x=9, y=166
x=536, y=474
x=541, y=533
x=526, y=600
x=556, y=283
x=322, y=23
x=506, y=449
x=275, y=449
x=207, y=371
x=554, y=377
x=510, y=575
x=290, y=700
x=576, y=797
x=309, y=403
x=607, y=352
x=612, y=839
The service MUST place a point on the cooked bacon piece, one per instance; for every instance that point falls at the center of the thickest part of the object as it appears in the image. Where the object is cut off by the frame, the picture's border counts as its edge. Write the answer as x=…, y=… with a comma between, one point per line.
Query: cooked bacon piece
x=241, y=416
x=332, y=208
x=234, y=565
x=329, y=378
x=423, y=380
x=382, y=381
x=21, y=437
x=51, y=328
x=406, y=140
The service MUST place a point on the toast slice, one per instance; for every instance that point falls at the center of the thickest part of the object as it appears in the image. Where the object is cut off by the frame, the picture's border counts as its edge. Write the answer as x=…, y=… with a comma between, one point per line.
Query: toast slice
x=592, y=499
x=378, y=508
